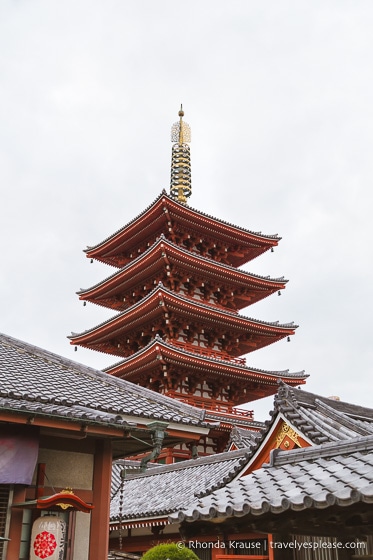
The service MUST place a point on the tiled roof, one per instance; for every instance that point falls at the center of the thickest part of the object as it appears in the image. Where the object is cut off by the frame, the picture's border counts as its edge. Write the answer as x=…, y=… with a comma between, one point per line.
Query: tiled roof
x=317, y=419
x=131, y=467
x=161, y=291
x=330, y=474
x=234, y=365
x=244, y=422
x=33, y=380
x=163, y=240
x=158, y=494
x=161, y=490
x=164, y=195
x=322, y=419
x=243, y=438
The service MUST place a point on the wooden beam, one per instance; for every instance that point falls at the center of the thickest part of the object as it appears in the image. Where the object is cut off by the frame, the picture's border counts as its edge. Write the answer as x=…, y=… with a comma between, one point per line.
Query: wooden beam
x=15, y=529
x=100, y=516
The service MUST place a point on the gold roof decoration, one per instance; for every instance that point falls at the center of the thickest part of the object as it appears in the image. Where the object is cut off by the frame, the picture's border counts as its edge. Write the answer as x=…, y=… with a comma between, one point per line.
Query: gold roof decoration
x=181, y=182
x=180, y=130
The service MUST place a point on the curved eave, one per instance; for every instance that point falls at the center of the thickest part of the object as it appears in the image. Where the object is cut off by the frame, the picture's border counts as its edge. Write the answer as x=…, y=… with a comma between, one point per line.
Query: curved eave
x=161, y=300
x=160, y=350
x=153, y=260
x=57, y=502
x=148, y=222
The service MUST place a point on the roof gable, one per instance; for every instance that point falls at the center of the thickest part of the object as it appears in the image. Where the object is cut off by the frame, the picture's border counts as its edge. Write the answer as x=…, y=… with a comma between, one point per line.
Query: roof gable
x=302, y=419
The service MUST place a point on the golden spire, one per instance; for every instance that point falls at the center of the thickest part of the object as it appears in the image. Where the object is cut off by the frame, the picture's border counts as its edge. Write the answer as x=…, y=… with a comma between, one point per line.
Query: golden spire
x=181, y=183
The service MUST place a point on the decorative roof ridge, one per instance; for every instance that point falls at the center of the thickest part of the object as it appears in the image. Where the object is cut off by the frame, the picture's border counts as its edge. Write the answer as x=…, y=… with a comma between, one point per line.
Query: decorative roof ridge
x=244, y=454
x=286, y=403
x=299, y=408
x=134, y=463
x=158, y=340
x=284, y=395
x=163, y=239
x=46, y=355
x=164, y=194
x=317, y=430
x=232, y=420
x=238, y=433
x=324, y=450
x=237, y=430
x=197, y=303
x=343, y=419
x=308, y=400
x=285, y=389
x=241, y=421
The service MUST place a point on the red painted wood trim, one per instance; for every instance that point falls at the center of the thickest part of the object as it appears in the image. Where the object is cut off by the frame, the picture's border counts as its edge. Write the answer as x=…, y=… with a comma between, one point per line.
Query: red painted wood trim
x=15, y=528
x=100, y=516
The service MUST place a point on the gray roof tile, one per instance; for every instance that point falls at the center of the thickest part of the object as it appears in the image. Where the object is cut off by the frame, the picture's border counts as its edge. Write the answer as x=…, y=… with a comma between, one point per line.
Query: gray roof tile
x=318, y=419
x=242, y=438
x=37, y=381
x=277, y=487
x=161, y=490
x=165, y=196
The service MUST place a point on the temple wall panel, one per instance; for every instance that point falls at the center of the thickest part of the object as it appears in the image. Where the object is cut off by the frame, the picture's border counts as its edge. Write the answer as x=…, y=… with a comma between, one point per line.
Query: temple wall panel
x=81, y=540
x=67, y=468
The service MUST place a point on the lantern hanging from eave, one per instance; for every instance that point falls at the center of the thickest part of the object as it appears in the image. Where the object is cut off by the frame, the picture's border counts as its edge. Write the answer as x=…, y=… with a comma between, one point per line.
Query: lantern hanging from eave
x=48, y=538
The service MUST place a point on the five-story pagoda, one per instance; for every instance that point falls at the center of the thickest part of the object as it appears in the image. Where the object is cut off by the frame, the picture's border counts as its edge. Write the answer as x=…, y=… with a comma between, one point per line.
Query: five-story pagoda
x=178, y=293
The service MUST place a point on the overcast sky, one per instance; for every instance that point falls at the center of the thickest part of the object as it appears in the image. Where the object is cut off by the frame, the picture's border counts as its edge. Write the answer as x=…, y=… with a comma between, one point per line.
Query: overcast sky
x=278, y=95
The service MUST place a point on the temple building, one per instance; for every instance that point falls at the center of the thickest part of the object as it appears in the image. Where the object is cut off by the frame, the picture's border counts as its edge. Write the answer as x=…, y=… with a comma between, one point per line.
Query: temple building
x=81, y=450
x=178, y=293
x=302, y=488
x=61, y=426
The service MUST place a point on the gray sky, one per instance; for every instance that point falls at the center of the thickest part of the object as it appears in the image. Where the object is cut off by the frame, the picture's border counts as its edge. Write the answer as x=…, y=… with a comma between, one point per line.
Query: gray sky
x=279, y=98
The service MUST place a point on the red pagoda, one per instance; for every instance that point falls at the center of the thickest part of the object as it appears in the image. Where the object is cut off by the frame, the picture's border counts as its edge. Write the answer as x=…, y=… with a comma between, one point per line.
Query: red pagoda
x=178, y=293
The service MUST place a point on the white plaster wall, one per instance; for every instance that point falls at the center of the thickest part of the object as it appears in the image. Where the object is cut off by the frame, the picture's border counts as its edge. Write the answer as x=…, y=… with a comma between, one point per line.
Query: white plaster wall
x=82, y=528
x=74, y=470
x=67, y=468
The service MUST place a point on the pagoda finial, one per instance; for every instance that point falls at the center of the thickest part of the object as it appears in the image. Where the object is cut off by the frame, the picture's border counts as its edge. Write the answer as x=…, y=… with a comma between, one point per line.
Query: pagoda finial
x=181, y=184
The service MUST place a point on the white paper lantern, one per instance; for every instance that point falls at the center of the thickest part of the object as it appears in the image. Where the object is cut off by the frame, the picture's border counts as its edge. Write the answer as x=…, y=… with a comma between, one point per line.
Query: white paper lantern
x=48, y=538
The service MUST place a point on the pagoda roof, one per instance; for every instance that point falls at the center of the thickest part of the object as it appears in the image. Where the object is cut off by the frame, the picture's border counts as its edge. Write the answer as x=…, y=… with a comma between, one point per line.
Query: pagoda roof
x=161, y=300
x=50, y=389
x=149, y=262
x=154, y=220
x=158, y=349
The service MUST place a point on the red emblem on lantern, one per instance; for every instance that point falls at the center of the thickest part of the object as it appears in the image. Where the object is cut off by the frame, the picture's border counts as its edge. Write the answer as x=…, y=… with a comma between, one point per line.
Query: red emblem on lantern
x=44, y=544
